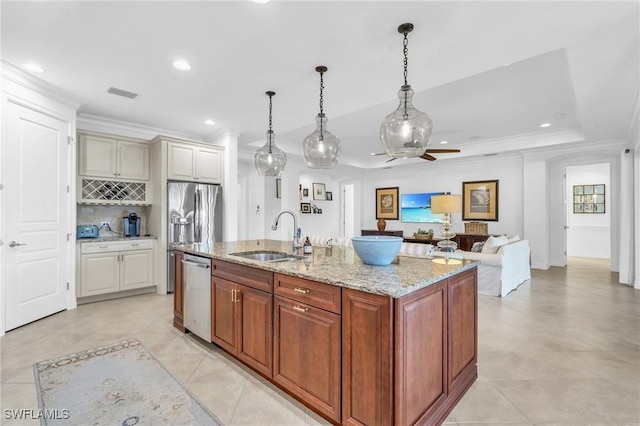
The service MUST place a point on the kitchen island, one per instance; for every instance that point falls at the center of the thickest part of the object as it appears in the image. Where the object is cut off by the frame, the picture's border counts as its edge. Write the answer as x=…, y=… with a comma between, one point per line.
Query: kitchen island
x=359, y=344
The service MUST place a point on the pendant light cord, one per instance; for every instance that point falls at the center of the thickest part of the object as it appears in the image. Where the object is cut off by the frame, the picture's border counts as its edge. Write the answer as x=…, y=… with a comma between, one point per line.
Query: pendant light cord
x=321, y=103
x=405, y=50
x=270, y=122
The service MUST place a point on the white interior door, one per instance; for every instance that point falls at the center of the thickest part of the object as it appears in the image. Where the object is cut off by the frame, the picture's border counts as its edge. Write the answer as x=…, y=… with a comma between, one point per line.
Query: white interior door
x=37, y=216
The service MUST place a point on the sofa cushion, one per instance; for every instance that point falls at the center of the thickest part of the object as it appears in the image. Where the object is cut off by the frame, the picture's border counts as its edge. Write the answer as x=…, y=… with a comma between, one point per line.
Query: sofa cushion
x=477, y=246
x=492, y=244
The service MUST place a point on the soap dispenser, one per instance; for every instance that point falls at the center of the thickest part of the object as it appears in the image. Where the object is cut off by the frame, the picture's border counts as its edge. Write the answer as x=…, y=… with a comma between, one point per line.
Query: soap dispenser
x=307, y=247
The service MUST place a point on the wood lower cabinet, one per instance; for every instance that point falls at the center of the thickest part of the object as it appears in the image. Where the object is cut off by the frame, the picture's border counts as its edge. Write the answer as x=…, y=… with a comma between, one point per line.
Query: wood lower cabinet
x=307, y=344
x=355, y=358
x=367, y=232
x=242, y=316
x=178, y=292
x=409, y=360
x=110, y=267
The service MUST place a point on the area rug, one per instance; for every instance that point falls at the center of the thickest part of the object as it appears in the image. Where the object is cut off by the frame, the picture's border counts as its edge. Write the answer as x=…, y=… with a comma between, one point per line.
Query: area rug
x=116, y=384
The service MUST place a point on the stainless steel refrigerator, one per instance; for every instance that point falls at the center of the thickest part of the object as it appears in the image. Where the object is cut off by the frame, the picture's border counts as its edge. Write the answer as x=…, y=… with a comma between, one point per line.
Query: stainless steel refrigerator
x=194, y=216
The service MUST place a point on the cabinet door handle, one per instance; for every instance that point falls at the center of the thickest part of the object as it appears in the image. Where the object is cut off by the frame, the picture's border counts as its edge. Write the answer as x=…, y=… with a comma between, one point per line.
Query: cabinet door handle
x=233, y=295
x=301, y=290
x=300, y=309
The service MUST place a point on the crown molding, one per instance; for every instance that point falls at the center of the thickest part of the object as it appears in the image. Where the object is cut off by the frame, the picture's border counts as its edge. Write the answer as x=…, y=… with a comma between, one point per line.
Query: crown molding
x=124, y=128
x=22, y=78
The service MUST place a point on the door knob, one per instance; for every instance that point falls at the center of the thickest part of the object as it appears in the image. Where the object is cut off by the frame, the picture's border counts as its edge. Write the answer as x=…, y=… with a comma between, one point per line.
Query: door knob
x=13, y=244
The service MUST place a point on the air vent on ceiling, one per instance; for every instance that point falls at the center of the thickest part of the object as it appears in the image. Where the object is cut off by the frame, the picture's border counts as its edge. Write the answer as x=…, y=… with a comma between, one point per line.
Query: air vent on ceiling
x=123, y=93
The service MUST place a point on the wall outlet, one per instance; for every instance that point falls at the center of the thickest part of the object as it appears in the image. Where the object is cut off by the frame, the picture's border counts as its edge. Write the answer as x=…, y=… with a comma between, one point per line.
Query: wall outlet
x=105, y=224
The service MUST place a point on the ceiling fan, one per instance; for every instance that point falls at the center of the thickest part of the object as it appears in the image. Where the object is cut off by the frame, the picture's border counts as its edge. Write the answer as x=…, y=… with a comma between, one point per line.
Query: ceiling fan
x=426, y=155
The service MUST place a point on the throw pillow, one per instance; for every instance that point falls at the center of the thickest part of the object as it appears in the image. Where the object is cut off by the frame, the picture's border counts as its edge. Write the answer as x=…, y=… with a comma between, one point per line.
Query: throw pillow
x=514, y=238
x=477, y=247
x=492, y=244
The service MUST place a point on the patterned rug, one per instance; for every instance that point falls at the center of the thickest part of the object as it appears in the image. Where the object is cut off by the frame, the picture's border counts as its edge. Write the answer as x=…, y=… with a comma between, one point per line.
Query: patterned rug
x=117, y=384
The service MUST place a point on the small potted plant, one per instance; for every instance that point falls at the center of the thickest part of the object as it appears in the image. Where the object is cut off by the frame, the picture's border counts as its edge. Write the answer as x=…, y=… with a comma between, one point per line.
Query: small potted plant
x=423, y=234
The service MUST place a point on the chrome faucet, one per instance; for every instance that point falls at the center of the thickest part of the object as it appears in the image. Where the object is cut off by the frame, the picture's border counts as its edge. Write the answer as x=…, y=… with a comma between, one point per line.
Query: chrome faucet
x=296, y=229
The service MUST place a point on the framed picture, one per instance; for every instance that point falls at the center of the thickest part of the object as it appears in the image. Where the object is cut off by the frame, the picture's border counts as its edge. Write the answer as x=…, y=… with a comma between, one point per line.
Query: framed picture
x=319, y=191
x=319, y=211
x=305, y=207
x=588, y=198
x=329, y=196
x=480, y=200
x=387, y=203
x=305, y=192
x=278, y=188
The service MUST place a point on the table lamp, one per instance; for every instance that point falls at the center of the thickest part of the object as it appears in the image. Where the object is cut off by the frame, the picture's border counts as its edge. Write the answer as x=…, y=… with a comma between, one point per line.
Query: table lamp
x=447, y=204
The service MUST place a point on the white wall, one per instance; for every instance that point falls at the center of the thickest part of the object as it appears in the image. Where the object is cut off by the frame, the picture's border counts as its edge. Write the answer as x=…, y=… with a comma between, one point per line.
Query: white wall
x=445, y=177
x=588, y=235
x=327, y=223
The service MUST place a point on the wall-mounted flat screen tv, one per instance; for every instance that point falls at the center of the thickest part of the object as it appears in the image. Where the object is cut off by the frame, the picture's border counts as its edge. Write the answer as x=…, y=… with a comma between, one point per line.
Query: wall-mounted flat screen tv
x=416, y=208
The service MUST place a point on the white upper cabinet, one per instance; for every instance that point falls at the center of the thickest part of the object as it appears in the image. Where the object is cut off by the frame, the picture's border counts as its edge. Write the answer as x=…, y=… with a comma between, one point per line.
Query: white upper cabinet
x=194, y=163
x=112, y=157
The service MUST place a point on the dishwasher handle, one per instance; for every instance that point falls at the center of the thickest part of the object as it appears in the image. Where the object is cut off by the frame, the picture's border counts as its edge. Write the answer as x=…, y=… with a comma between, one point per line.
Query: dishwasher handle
x=199, y=265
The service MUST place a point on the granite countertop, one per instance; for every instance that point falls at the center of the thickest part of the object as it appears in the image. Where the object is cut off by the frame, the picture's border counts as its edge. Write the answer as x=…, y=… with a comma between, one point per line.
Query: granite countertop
x=338, y=265
x=105, y=238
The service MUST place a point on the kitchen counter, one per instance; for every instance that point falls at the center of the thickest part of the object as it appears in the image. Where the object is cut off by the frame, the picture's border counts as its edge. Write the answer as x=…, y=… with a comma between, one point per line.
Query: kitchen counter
x=114, y=238
x=337, y=265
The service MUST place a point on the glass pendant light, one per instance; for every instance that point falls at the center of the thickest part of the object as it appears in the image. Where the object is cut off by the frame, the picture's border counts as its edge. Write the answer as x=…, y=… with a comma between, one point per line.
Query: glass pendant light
x=270, y=160
x=405, y=132
x=321, y=149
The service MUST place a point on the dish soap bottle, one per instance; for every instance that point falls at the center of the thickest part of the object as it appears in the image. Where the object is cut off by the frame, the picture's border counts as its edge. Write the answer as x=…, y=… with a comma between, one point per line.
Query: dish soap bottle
x=307, y=247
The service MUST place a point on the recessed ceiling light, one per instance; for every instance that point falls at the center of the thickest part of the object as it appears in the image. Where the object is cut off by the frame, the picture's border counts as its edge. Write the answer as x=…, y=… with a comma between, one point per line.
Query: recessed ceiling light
x=210, y=122
x=443, y=142
x=545, y=125
x=34, y=68
x=182, y=65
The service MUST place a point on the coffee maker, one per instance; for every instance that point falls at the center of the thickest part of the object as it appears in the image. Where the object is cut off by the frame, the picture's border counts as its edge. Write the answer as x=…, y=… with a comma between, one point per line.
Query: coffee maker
x=131, y=225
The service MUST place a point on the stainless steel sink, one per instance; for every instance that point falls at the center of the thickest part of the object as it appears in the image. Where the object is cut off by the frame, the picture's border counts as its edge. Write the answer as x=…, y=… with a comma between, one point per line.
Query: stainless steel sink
x=266, y=256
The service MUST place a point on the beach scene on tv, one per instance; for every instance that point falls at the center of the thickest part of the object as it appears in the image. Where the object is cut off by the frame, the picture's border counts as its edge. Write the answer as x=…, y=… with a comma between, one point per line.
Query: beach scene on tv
x=416, y=208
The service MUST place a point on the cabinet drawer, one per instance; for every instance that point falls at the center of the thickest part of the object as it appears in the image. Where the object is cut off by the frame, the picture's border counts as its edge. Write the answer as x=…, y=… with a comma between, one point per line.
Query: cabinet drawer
x=320, y=295
x=256, y=278
x=115, y=246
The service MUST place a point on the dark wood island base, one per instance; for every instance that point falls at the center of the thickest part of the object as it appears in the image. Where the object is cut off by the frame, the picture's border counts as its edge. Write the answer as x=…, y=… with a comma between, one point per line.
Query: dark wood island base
x=368, y=359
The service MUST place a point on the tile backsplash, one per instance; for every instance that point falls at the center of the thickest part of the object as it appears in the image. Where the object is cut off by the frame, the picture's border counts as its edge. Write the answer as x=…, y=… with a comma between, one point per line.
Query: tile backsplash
x=95, y=215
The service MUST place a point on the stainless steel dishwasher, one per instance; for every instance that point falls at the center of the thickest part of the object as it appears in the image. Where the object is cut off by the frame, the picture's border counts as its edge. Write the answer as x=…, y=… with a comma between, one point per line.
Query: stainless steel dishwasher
x=197, y=295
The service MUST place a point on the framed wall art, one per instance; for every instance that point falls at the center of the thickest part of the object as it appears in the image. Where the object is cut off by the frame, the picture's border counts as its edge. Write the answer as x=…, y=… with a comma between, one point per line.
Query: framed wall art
x=329, y=196
x=387, y=203
x=480, y=200
x=305, y=192
x=319, y=192
x=305, y=208
x=588, y=198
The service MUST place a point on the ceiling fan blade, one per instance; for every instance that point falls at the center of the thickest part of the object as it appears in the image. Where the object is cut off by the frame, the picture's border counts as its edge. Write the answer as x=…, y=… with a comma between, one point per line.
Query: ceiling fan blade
x=428, y=157
x=443, y=151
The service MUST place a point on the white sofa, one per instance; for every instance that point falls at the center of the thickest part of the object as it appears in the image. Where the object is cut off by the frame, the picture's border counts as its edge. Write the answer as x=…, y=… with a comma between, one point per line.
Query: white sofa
x=503, y=272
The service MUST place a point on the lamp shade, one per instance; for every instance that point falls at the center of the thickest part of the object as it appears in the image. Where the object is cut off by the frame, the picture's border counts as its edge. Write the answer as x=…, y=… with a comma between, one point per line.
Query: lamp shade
x=446, y=203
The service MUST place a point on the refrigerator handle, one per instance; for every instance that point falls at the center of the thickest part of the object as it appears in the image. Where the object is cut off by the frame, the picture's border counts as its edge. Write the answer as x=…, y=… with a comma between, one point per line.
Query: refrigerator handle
x=197, y=220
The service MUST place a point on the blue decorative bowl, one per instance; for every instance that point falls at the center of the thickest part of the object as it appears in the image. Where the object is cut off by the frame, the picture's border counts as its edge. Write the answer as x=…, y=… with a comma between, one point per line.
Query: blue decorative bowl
x=377, y=250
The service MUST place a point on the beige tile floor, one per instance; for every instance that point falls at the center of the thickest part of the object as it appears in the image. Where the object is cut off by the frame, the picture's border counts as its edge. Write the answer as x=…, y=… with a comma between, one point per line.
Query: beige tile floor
x=563, y=349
